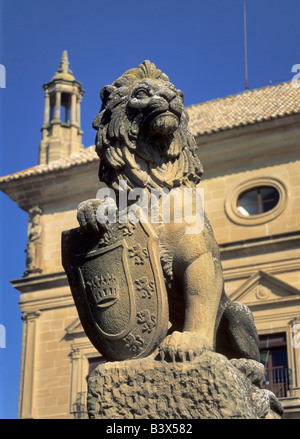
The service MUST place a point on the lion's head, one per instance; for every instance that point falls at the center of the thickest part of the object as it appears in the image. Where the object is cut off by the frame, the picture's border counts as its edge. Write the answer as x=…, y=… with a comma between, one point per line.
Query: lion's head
x=142, y=134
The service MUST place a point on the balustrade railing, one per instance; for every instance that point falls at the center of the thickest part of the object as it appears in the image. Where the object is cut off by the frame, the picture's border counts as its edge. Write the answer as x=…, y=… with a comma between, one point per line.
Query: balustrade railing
x=279, y=380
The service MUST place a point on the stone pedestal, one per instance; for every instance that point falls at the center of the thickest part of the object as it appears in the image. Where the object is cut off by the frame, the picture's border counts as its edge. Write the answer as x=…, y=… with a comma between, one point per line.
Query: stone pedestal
x=210, y=387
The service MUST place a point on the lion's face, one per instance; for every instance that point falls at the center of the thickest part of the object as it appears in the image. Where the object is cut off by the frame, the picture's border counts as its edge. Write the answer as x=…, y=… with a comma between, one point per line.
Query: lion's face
x=142, y=134
x=156, y=107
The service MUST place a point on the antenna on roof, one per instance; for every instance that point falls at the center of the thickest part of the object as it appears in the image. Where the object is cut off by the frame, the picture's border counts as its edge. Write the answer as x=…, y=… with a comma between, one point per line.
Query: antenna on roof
x=245, y=48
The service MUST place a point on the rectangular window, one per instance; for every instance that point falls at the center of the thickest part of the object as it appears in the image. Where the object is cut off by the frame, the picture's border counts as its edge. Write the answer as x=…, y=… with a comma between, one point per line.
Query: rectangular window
x=273, y=355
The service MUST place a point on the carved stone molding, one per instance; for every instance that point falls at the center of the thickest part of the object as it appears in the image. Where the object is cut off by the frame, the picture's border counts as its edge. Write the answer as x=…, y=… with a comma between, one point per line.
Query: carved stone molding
x=26, y=405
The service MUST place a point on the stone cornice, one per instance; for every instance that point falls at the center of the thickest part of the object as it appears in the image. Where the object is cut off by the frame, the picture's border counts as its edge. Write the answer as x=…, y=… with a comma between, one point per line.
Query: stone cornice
x=40, y=282
x=240, y=272
x=62, y=186
x=87, y=155
x=252, y=246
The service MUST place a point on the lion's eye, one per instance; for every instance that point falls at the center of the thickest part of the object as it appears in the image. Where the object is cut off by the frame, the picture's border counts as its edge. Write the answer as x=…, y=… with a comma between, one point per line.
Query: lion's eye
x=141, y=94
x=180, y=94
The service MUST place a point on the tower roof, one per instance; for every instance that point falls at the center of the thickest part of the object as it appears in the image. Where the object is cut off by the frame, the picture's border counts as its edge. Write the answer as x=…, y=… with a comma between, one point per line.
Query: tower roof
x=63, y=71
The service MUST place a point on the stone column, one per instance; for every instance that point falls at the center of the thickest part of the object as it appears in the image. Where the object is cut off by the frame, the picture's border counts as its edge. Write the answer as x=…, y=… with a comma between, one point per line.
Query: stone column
x=73, y=109
x=57, y=105
x=47, y=108
x=26, y=409
x=45, y=129
x=78, y=111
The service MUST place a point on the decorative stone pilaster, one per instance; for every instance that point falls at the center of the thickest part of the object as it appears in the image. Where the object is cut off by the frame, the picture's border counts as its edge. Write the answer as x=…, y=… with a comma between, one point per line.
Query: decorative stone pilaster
x=26, y=407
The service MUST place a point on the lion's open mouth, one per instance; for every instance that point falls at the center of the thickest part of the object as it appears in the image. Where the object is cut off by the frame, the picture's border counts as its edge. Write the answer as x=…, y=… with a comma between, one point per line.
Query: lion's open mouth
x=164, y=123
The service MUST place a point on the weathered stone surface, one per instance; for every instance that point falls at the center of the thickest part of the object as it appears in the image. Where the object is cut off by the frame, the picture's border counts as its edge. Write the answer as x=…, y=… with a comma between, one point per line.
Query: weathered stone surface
x=177, y=307
x=144, y=144
x=210, y=387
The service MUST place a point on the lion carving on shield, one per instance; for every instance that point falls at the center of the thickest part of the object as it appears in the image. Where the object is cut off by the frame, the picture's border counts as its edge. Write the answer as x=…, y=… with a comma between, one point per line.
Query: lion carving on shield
x=143, y=139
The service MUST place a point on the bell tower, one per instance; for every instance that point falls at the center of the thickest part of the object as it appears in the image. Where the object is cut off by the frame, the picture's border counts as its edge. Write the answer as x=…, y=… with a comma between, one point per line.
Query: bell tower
x=61, y=132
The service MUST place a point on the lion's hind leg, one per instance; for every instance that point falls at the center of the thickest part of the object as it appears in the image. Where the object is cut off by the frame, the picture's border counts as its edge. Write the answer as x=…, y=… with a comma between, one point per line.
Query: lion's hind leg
x=236, y=334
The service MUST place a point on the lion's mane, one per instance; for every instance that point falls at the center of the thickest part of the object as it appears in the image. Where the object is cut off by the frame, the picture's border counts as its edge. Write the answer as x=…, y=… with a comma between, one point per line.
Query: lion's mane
x=173, y=164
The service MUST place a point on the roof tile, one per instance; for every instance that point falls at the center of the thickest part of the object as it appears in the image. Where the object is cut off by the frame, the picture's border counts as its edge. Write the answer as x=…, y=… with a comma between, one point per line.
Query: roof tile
x=245, y=108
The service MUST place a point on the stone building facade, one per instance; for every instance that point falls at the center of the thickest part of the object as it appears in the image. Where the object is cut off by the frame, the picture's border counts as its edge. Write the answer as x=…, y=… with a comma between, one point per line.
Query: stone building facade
x=249, y=147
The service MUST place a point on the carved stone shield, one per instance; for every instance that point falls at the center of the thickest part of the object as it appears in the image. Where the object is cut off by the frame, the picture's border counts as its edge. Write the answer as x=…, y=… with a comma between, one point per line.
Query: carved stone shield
x=118, y=287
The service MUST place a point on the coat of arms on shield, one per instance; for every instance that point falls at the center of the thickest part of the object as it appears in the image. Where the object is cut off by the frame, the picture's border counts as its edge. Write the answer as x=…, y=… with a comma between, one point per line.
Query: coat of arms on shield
x=118, y=287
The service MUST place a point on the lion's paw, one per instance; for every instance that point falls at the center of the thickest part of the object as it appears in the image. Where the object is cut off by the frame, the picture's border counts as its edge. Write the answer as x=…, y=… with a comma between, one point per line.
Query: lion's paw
x=183, y=346
x=253, y=370
x=87, y=214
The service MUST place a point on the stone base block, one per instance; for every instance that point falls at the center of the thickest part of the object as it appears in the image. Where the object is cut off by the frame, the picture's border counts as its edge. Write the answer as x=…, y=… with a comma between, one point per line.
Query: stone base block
x=210, y=387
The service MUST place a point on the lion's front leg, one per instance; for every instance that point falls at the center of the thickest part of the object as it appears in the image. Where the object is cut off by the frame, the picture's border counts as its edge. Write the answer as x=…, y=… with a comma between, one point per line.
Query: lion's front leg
x=202, y=286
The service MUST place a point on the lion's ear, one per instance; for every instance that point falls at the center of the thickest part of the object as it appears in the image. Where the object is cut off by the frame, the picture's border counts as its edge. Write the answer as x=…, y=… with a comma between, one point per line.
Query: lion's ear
x=106, y=92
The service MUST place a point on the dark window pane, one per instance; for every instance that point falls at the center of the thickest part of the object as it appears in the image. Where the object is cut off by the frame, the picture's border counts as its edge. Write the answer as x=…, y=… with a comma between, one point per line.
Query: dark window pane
x=268, y=193
x=258, y=200
x=249, y=197
x=273, y=355
x=270, y=198
x=272, y=340
x=279, y=358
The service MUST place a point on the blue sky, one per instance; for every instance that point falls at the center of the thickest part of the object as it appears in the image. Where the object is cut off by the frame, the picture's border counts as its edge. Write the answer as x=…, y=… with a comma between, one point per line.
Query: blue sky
x=198, y=43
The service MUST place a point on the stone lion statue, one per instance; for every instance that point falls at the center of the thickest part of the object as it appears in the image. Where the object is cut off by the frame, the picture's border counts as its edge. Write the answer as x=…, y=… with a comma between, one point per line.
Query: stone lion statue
x=143, y=138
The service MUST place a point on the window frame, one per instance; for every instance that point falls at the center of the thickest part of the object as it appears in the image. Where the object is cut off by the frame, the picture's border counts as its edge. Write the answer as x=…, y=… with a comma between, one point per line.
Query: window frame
x=259, y=201
x=231, y=203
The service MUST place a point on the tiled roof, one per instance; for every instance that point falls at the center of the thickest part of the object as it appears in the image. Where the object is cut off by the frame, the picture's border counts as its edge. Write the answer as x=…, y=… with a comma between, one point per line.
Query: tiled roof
x=85, y=156
x=221, y=114
x=246, y=108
